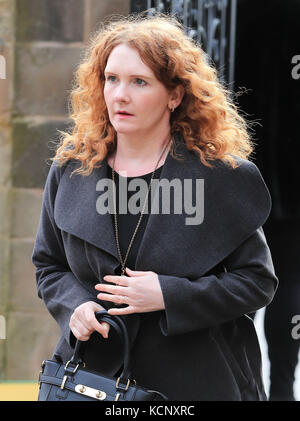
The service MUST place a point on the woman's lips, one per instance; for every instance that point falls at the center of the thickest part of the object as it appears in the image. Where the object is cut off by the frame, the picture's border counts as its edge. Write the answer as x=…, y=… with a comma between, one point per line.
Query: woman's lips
x=124, y=115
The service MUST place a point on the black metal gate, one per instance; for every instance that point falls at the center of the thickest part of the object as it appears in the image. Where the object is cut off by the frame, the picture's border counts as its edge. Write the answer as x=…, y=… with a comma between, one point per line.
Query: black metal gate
x=211, y=22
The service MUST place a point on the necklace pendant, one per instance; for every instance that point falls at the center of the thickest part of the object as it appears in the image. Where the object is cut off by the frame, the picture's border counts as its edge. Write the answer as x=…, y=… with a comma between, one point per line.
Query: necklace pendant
x=123, y=271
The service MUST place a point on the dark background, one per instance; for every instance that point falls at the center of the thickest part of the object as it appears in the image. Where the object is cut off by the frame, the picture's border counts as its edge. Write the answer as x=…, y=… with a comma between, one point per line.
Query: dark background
x=267, y=37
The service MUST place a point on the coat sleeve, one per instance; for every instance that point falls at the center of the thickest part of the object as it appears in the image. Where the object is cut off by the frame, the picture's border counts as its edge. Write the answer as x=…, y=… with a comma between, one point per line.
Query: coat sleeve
x=247, y=284
x=56, y=284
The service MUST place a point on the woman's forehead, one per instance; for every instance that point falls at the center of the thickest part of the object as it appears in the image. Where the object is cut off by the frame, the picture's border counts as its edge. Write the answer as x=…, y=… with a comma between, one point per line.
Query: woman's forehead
x=127, y=60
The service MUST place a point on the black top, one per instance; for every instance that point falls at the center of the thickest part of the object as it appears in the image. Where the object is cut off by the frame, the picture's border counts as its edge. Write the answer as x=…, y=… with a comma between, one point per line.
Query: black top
x=127, y=222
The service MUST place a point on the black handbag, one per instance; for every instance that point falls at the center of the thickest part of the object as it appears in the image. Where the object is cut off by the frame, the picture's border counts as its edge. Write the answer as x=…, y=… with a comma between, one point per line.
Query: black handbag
x=72, y=382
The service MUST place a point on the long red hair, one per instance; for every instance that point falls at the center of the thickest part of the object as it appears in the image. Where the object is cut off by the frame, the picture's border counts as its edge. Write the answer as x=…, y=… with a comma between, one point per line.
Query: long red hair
x=207, y=117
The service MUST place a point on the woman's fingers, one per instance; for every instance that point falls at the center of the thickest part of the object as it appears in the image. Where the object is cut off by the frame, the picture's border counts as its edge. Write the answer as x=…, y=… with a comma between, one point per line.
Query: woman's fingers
x=116, y=299
x=83, y=321
x=80, y=332
x=122, y=311
x=101, y=327
x=105, y=328
x=83, y=334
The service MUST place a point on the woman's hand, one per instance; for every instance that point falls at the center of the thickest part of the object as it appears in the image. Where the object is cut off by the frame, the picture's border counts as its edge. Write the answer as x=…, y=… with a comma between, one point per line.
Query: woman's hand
x=140, y=290
x=83, y=321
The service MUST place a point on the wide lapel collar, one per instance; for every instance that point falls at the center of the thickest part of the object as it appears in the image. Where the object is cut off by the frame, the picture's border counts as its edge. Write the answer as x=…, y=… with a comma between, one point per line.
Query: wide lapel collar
x=76, y=212
x=75, y=205
x=236, y=203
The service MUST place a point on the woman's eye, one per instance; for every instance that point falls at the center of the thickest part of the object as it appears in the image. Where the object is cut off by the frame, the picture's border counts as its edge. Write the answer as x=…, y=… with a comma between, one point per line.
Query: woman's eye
x=140, y=82
x=110, y=78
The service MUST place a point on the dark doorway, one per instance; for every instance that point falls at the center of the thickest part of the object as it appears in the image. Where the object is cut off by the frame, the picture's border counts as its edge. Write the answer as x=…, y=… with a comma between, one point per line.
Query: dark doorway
x=267, y=53
x=267, y=39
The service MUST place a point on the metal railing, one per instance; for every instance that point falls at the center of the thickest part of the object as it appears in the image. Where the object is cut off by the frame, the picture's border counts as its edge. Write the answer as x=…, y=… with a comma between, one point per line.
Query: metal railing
x=211, y=22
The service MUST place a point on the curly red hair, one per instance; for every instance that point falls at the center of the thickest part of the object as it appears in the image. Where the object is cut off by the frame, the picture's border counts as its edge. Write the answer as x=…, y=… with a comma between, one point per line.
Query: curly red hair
x=208, y=119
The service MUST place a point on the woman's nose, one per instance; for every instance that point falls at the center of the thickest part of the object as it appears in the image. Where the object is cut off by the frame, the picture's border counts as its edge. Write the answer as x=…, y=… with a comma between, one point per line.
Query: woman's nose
x=121, y=92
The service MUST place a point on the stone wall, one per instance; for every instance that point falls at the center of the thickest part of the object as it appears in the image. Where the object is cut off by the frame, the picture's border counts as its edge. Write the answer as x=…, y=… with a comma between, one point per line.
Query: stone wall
x=41, y=41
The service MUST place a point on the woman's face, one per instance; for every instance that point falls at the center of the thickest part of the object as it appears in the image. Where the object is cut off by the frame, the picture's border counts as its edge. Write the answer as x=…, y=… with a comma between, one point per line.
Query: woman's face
x=131, y=86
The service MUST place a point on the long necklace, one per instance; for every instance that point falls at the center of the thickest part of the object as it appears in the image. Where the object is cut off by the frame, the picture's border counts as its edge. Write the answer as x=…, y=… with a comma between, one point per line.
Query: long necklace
x=123, y=268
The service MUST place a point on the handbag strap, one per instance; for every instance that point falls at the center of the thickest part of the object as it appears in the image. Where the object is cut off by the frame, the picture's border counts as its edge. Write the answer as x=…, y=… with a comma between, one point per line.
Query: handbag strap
x=117, y=323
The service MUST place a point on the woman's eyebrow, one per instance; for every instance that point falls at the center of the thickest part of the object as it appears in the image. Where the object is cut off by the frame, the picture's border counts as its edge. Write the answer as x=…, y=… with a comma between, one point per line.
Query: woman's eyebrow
x=141, y=76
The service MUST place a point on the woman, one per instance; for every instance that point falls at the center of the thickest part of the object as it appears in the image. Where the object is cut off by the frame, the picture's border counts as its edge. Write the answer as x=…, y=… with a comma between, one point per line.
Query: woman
x=148, y=105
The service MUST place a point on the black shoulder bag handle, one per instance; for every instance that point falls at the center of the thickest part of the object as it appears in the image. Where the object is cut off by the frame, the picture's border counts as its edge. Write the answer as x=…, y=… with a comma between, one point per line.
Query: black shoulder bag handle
x=117, y=323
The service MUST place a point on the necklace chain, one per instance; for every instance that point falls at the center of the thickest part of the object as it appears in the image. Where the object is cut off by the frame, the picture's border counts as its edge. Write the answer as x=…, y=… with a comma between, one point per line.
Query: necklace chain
x=123, y=262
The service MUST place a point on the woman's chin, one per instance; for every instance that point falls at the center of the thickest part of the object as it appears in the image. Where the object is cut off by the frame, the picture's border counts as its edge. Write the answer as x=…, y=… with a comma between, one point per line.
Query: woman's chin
x=119, y=128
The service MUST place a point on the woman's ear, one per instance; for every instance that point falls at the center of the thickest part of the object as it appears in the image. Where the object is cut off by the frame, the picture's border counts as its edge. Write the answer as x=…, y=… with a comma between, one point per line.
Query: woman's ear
x=176, y=96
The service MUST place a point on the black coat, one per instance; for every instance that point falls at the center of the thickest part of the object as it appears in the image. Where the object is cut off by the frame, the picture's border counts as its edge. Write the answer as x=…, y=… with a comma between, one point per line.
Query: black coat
x=203, y=346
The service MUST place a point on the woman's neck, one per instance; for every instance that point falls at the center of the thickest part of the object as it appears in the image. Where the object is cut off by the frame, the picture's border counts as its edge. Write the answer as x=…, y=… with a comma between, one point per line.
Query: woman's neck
x=134, y=159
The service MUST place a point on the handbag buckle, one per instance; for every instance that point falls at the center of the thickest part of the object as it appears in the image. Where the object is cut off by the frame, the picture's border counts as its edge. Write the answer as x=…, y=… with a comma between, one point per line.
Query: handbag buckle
x=127, y=385
x=118, y=394
x=75, y=369
x=65, y=378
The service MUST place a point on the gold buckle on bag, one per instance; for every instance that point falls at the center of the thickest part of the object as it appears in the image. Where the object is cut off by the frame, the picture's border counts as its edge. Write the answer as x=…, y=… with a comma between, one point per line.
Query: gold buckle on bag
x=65, y=376
x=75, y=369
x=118, y=394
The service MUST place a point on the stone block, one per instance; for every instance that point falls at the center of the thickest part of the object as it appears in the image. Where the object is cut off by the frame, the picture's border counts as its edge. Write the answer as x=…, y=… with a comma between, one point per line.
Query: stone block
x=22, y=290
x=43, y=79
x=99, y=10
x=6, y=19
x=33, y=145
x=5, y=211
x=4, y=270
x=44, y=20
x=26, y=209
x=31, y=338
